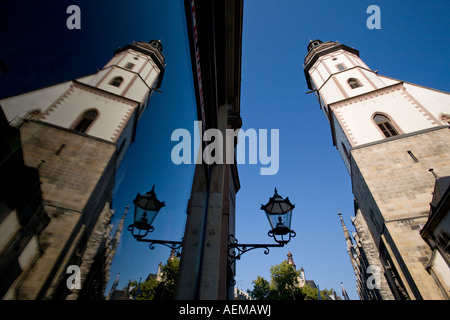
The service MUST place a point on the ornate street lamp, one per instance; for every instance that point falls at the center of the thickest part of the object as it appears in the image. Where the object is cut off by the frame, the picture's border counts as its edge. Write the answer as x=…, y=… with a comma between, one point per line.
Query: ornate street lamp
x=146, y=208
x=279, y=214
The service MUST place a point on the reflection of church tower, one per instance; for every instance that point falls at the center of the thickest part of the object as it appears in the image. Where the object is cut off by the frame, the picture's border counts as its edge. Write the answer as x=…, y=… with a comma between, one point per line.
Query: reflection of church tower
x=77, y=133
x=388, y=133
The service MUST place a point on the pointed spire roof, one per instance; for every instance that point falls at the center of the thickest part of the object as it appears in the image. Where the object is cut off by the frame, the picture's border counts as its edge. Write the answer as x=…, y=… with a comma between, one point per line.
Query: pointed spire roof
x=121, y=223
x=344, y=227
x=344, y=293
x=116, y=239
x=348, y=238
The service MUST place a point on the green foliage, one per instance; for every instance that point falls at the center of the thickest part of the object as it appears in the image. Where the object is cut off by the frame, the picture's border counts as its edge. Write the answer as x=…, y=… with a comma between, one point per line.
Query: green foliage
x=169, y=278
x=284, y=285
x=153, y=289
x=261, y=289
x=310, y=293
x=284, y=281
x=148, y=289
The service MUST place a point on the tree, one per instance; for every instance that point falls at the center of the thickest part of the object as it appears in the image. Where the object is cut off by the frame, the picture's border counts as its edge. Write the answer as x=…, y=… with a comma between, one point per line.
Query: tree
x=169, y=278
x=284, y=285
x=310, y=293
x=147, y=290
x=284, y=280
x=152, y=289
x=261, y=289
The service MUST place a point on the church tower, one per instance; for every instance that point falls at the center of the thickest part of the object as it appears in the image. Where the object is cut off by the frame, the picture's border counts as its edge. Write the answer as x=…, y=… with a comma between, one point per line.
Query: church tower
x=76, y=134
x=389, y=133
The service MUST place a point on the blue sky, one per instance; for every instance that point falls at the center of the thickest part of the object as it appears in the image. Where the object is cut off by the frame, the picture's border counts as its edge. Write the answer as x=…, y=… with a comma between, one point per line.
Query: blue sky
x=412, y=45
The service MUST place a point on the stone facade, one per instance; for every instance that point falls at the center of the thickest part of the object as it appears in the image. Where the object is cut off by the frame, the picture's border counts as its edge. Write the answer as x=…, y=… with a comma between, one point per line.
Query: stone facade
x=389, y=134
x=76, y=134
x=394, y=193
x=367, y=255
x=75, y=185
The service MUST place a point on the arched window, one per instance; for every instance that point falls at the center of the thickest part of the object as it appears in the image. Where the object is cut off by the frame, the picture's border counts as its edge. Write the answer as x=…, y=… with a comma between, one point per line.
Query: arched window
x=385, y=125
x=116, y=82
x=33, y=114
x=354, y=83
x=341, y=66
x=445, y=118
x=86, y=120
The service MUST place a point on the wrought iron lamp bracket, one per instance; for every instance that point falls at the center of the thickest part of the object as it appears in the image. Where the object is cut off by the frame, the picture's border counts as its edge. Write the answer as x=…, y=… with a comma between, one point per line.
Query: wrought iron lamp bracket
x=174, y=245
x=243, y=248
x=140, y=233
x=281, y=239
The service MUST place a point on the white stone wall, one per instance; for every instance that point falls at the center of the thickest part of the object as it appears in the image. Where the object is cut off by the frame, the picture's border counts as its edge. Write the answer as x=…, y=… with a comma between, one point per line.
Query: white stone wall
x=407, y=115
x=113, y=112
x=436, y=102
x=410, y=107
x=63, y=104
x=143, y=75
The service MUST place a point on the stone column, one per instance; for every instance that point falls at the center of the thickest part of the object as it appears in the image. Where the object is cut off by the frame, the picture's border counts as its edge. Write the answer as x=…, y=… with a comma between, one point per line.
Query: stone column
x=203, y=266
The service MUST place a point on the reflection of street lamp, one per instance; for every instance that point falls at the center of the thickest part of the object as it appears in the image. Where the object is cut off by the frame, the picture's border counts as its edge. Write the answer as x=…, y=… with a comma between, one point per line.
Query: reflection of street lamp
x=146, y=208
x=279, y=214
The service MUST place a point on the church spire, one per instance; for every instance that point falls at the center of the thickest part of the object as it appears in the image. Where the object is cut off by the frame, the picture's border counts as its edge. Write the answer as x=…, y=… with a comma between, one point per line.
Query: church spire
x=116, y=239
x=346, y=233
x=120, y=226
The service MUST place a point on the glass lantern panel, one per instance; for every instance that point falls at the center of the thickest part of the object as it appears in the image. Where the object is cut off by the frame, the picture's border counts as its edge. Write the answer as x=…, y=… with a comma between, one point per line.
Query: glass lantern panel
x=144, y=218
x=280, y=223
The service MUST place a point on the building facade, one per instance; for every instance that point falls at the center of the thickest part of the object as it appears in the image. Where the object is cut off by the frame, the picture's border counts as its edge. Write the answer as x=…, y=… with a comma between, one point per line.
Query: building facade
x=389, y=133
x=75, y=133
x=215, y=42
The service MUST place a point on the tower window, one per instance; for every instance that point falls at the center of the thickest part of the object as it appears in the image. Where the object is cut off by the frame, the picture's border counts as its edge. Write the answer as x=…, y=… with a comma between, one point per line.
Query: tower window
x=116, y=82
x=445, y=118
x=385, y=125
x=129, y=65
x=61, y=147
x=354, y=83
x=33, y=114
x=341, y=66
x=86, y=121
x=413, y=156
